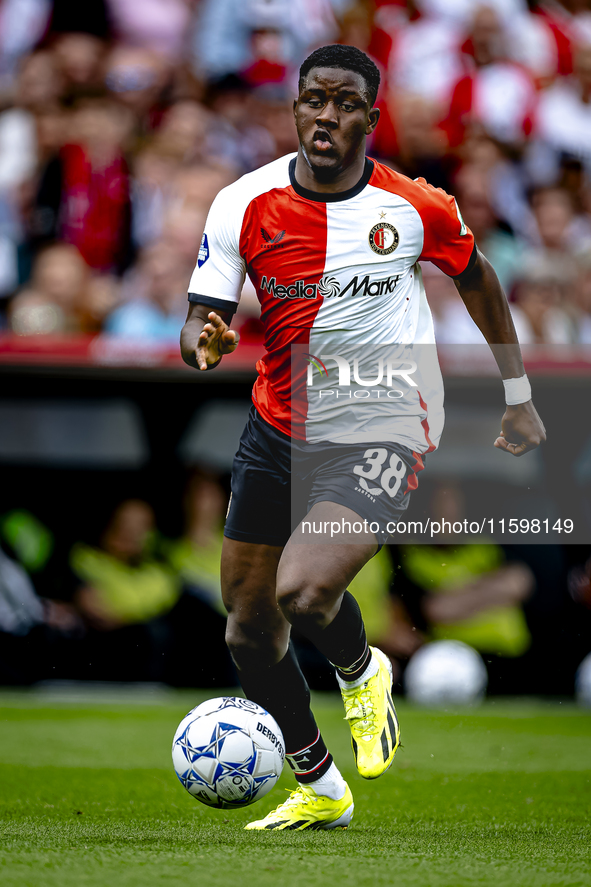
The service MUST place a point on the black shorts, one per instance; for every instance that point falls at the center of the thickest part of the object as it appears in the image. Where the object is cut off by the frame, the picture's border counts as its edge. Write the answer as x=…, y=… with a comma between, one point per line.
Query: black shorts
x=276, y=480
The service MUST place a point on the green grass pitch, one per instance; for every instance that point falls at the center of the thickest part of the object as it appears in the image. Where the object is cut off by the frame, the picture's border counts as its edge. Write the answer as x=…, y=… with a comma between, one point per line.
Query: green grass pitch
x=500, y=795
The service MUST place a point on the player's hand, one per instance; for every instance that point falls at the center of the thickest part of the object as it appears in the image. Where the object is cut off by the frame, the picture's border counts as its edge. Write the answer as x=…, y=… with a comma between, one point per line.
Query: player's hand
x=522, y=429
x=215, y=340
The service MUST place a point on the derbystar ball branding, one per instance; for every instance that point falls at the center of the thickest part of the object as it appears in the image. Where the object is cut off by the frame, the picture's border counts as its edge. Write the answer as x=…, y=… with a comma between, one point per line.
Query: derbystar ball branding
x=329, y=287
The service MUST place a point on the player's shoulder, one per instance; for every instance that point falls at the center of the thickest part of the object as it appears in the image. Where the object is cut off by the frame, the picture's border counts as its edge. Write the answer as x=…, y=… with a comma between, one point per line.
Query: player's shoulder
x=251, y=185
x=418, y=192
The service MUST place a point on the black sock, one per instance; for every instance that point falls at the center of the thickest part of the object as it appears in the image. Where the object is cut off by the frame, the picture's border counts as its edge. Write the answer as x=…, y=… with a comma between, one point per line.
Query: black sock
x=343, y=642
x=282, y=691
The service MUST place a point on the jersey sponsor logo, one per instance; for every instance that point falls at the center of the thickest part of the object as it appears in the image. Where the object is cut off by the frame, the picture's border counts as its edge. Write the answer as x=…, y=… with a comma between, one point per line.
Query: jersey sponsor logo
x=329, y=287
x=272, y=242
x=383, y=238
x=203, y=251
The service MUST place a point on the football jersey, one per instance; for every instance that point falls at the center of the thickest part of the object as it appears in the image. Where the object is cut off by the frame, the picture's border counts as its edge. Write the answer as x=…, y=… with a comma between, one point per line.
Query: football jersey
x=338, y=280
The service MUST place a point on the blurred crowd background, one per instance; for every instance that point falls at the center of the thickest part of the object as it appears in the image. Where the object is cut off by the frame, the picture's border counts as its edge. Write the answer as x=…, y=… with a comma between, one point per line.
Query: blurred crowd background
x=120, y=120
x=129, y=602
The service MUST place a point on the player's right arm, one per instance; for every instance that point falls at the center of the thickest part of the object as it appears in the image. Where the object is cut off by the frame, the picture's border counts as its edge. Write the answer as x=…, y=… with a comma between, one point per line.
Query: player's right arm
x=206, y=337
x=215, y=287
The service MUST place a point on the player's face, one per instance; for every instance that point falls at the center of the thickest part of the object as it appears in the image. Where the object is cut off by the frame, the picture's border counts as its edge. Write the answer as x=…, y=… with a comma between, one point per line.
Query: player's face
x=333, y=116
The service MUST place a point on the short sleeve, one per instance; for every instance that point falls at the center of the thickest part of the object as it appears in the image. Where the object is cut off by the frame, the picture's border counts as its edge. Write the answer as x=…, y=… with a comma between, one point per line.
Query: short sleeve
x=220, y=271
x=448, y=242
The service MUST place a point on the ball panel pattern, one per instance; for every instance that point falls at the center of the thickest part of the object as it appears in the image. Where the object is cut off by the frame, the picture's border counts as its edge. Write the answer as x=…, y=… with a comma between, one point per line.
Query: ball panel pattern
x=228, y=752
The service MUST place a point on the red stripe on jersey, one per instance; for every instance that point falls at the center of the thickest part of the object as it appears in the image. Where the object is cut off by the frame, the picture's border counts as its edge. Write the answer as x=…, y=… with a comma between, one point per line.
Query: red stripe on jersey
x=413, y=481
x=283, y=243
x=425, y=425
x=444, y=244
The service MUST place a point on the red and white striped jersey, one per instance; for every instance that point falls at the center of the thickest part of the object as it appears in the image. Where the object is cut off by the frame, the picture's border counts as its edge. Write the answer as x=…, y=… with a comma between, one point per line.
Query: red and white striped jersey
x=333, y=269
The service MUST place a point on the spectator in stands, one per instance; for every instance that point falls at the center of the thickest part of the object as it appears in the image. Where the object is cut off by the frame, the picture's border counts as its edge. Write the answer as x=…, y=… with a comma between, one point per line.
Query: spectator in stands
x=495, y=238
x=413, y=142
x=37, y=635
x=183, y=131
x=196, y=556
x=144, y=599
x=137, y=77
x=580, y=303
x=21, y=28
x=563, y=120
x=79, y=57
x=495, y=94
x=83, y=196
x=181, y=233
x=154, y=168
x=36, y=92
x=223, y=37
x=540, y=312
x=156, y=310
x=160, y=26
x=424, y=59
x=558, y=228
x=472, y=593
x=195, y=559
x=274, y=111
x=462, y=590
x=568, y=22
x=121, y=588
x=121, y=583
x=235, y=139
x=453, y=324
x=163, y=182
x=54, y=299
x=186, y=140
x=38, y=88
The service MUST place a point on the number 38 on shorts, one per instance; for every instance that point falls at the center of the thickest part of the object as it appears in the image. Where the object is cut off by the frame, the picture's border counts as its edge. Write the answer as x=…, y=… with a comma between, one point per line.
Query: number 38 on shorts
x=391, y=472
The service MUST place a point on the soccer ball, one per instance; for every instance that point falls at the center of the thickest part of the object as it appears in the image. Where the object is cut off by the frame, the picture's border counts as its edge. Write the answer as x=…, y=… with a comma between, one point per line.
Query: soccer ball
x=583, y=682
x=445, y=672
x=228, y=752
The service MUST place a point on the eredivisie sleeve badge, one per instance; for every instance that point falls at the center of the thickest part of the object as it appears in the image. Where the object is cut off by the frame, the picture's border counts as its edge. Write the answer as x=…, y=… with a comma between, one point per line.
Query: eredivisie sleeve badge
x=383, y=238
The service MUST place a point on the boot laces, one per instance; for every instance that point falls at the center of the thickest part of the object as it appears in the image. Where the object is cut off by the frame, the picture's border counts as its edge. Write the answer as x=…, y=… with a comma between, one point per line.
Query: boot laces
x=360, y=711
x=297, y=798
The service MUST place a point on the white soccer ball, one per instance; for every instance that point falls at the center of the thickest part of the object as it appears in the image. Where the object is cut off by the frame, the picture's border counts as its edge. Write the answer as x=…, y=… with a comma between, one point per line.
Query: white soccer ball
x=583, y=682
x=445, y=672
x=228, y=752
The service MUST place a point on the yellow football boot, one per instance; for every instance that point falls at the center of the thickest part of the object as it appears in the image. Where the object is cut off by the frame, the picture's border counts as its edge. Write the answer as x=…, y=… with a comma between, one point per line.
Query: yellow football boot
x=304, y=809
x=375, y=732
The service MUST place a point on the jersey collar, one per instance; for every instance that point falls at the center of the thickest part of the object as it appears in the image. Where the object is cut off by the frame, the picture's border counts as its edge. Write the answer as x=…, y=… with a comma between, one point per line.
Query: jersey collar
x=321, y=197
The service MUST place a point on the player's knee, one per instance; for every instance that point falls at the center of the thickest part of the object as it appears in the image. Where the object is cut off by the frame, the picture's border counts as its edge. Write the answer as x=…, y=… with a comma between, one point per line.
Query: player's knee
x=305, y=603
x=249, y=645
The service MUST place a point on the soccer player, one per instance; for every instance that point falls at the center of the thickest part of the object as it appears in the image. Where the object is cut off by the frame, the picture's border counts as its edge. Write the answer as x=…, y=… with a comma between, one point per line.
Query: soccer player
x=331, y=241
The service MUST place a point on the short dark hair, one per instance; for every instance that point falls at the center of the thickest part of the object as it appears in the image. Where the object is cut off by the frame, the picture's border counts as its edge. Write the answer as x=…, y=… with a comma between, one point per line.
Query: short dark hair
x=349, y=58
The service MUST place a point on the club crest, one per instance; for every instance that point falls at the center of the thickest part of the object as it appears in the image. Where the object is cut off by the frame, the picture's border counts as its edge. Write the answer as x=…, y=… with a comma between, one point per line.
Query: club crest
x=383, y=238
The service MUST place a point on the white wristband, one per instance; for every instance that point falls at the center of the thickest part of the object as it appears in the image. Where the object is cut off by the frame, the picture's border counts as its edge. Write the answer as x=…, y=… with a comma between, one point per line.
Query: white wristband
x=517, y=390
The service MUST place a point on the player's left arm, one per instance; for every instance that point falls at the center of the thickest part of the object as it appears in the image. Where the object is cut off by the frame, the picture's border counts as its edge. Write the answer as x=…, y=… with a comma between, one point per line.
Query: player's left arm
x=521, y=427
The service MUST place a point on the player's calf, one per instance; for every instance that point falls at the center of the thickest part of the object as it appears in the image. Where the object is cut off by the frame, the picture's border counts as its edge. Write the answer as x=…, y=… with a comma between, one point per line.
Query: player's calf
x=253, y=645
